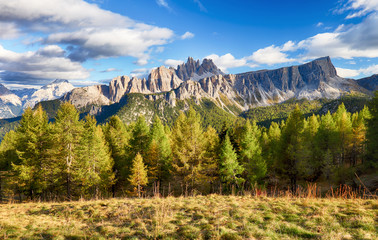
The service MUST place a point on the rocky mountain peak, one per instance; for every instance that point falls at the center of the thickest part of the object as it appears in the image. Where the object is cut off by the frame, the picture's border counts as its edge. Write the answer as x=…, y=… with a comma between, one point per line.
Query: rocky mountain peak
x=4, y=90
x=195, y=70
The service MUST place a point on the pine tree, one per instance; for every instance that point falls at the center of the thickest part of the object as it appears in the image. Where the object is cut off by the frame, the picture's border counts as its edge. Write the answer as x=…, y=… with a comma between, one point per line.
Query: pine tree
x=158, y=159
x=32, y=150
x=271, y=146
x=66, y=138
x=8, y=156
x=94, y=161
x=210, y=163
x=372, y=134
x=117, y=138
x=290, y=146
x=139, y=138
x=188, y=149
x=250, y=153
x=310, y=161
x=138, y=177
x=344, y=129
x=229, y=168
x=326, y=141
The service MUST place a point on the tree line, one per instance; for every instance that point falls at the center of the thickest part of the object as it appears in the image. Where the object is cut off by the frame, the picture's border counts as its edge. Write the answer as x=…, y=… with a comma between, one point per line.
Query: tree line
x=70, y=158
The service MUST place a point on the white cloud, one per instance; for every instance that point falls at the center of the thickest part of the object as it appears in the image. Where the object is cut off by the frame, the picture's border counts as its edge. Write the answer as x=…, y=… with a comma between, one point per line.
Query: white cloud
x=39, y=65
x=272, y=55
x=163, y=3
x=319, y=24
x=8, y=31
x=350, y=73
x=227, y=61
x=173, y=63
x=361, y=7
x=102, y=43
x=140, y=73
x=347, y=73
x=187, y=35
x=87, y=30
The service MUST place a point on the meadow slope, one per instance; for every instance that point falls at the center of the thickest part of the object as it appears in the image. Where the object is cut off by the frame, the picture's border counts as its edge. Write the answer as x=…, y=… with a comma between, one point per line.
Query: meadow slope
x=200, y=217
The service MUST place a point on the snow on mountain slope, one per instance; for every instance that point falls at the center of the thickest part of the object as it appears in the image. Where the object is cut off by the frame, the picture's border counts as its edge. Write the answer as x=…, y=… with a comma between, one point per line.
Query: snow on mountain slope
x=50, y=91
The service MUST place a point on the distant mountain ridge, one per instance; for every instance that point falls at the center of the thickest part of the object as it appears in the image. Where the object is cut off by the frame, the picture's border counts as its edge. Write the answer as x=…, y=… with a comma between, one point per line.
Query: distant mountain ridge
x=197, y=81
x=13, y=102
x=233, y=93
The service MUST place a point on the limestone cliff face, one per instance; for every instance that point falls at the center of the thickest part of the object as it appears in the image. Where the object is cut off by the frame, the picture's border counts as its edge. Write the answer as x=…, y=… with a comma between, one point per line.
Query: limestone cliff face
x=195, y=80
x=92, y=95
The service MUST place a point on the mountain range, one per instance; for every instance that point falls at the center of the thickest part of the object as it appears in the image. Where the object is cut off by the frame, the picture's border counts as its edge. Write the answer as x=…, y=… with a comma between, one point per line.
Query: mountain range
x=194, y=82
x=13, y=102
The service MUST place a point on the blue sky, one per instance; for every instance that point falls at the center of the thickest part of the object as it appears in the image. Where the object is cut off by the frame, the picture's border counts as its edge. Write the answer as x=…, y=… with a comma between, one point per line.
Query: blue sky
x=93, y=41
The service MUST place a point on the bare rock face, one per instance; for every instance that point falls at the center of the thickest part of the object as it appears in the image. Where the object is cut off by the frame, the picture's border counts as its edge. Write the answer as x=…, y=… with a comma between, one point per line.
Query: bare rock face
x=194, y=70
x=370, y=83
x=195, y=80
x=162, y=79
x=92, y=95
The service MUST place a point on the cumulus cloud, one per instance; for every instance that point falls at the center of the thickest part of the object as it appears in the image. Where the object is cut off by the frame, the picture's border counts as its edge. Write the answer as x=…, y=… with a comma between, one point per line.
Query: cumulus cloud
x=187, y=35
x=46, y=63
x=8, y=31
x=360, y=40
x=350, y=73
x=272, y=55
x=87, y=30
x=227, y=61
x=173, y=63
x=347, y=73
x=359, y=8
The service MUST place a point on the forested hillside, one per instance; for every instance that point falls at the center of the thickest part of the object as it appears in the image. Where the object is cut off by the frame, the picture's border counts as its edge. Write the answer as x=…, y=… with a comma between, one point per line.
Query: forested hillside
x=71, y=158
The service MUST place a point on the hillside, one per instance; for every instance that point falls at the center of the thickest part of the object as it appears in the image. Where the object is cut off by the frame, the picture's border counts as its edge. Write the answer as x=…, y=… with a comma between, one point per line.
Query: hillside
x=201, y=217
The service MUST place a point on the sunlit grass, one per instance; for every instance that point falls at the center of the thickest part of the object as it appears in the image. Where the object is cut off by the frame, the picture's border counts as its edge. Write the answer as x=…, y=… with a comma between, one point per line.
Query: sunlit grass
x=200, y=217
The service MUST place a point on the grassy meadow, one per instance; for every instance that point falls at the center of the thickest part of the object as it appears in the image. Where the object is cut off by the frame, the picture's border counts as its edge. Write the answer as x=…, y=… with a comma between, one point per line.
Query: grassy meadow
x=199, y=217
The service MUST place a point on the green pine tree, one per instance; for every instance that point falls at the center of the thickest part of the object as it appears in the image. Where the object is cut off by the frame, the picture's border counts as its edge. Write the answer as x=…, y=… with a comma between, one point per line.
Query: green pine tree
x=94, y=161
x=32, y=149
x=66, y=138
x=118, y=138
x=250, y=153
x=229, y=168
x=138, y=177
x=188, y=150
x=372, y=134
x=290, y=147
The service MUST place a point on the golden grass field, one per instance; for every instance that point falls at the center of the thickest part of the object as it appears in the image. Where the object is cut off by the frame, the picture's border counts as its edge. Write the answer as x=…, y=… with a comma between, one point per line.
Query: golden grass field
x=200, y=217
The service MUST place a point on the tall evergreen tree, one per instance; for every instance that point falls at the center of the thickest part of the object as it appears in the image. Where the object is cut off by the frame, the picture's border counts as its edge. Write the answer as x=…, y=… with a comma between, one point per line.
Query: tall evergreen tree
x=250, y=153
x=32, y=150
x=94, y=161
x=372, y=133
x=118, y=139
x=138, y=177
x=67, y=134
x=229, y=168
x=139, y=138
x=158, y=159
x=188, y=150
x=310, y=161
x=8, y=156
x=326, y=141
x=344, y=129
x=290, y=147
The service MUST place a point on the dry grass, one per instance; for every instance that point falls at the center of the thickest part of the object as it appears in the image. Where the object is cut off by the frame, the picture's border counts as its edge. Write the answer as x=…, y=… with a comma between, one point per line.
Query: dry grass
x=200, y=217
